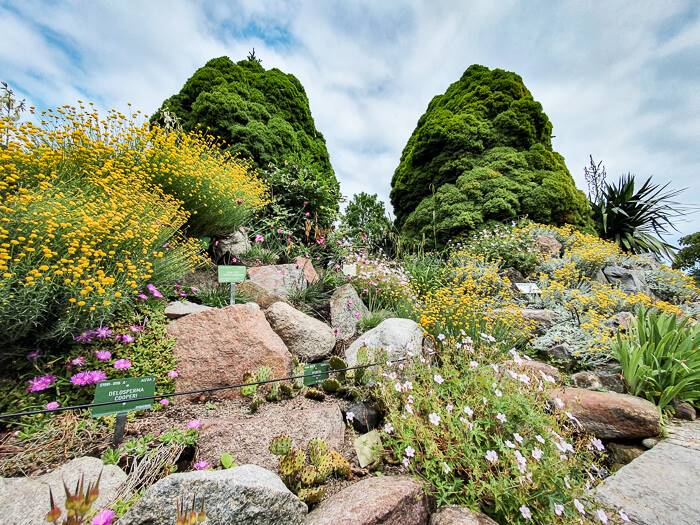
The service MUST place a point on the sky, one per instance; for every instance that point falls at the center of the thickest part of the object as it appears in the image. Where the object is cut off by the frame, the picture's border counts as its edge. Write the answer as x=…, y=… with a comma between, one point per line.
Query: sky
x=619, y=79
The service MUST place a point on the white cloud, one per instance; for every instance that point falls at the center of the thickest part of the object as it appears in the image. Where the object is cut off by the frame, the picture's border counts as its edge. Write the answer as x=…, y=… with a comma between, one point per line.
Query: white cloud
x=618, y=80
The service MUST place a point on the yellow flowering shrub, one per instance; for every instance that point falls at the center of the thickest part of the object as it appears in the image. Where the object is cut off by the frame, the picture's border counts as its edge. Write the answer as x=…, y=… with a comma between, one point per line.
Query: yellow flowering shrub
x=83, y=227
x=475, y=296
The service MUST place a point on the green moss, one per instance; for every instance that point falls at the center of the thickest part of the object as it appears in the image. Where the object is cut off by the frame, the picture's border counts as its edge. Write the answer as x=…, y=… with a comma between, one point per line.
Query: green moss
x=482, y=153
x=260, y=114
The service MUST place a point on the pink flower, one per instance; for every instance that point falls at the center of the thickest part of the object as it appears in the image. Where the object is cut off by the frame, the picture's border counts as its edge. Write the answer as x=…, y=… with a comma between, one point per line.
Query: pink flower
x=172, y=374
x=85, y=337
x=103, y=332
x=88, y=377
x=201, y=465
x=259, y=238
x=136, y=328
x=154, y=291
x=122, y=364
x=78, y=361
x=104, y=517
x=103, y=355
x=39, y=383
x=307, y=214
x=357, y=315
x=52, y=405
x=195, y=424
x=125, y=339
x=142, y=297
x=33, y=355
x=164, y=402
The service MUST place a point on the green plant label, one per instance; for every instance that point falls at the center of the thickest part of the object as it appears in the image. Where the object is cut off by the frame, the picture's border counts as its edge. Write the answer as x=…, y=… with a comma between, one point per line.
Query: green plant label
x=321, y=371
x=231, y=274
x=122, y=392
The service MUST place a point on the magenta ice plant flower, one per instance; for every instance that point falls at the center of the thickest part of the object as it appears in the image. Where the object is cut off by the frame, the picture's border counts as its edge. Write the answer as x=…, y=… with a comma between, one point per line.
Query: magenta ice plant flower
x=122, y=364
x=103, y=355
x=164, y=402
x=172, y=374
x=85, y=337
x=52, y=405
x=90, y=377
x=194, y=424
x=78, y=361
x=154, y=291
x=201, y=465
x=39, y=383
x=104, y=517
x=125, y=338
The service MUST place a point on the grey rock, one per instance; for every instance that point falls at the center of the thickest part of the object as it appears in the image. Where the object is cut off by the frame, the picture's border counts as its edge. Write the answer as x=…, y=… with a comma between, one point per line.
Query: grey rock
x=307, y=338
x=346, y=310
x=561, y=352
x=385, y=500
x=25, y=501
x=630, y=281
x=365, y=417
x=247, y=436
x=547, y=246
x=658, y=488
x=684, y=410
x=400, y=338
x=279, y=279
x=622, y=454
x=233, y=245
x=621, y=321
x=543, y=318
x=177, y=309
x=454, y=515
x=599, y=380
x=368, y=448
x=245, y=495
x=650, y=442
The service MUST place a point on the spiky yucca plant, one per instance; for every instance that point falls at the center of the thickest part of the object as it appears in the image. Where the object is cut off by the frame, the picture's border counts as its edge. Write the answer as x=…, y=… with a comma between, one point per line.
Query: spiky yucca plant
x=636, y=220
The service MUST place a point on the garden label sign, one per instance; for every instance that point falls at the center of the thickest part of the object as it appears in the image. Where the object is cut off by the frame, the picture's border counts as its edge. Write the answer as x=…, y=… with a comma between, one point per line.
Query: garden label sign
x=320, y=371
x=528, y=288
x=122, y=392
x=231, y=274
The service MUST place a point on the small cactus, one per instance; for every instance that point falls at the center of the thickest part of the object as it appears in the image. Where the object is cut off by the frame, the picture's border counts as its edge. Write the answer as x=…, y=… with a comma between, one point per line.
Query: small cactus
x=287, y=390
x=248, y=391
x=338, y=363
x=308, y=476
x=255, y=404
x=317, y=449
x=315, y=394
x=311, y=496
x=331, y=385
x=274, y=393
x=280, y=445
x=264, y=373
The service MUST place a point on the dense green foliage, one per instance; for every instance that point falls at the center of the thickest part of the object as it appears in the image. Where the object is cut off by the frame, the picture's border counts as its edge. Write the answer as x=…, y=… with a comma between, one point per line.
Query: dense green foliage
x=366, y=222
x=482, y=152
x=636, y=220
x=260, y=114
x=688, y=257
x=660, y=358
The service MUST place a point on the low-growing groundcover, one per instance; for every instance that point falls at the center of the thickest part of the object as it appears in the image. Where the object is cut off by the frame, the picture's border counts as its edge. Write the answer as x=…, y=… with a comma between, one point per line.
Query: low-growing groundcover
x=482, y=434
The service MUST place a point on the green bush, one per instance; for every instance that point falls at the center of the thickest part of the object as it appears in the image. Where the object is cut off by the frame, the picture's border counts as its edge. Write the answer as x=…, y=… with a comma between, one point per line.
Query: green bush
x=660, y=358
x=366, y=222
x=260, y=114
x=507, y=246
x=482, y=153
x=482, y=436
x=688, y=257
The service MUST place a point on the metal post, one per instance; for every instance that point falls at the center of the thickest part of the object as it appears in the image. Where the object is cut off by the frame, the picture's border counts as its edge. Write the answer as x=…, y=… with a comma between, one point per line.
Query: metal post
x=233, y=294
x=119, y=429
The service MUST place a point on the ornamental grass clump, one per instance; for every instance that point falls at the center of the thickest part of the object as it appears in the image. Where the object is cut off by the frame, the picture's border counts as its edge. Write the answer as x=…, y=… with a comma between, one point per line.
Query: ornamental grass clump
x=660, y=358
x=481, y=434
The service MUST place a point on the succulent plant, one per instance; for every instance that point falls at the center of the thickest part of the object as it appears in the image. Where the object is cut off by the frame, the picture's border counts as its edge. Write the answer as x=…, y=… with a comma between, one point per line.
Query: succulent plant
x=317, y=449
x=311, y=496
x=315, y=394
x=280, y=445
x=331, y=385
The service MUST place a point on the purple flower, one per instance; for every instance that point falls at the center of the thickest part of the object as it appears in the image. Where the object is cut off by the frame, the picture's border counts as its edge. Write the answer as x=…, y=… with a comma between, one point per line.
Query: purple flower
x=122, y=364
x=78, y=361
x=154, y=291
x=164, y=402
x=103, y=332
x=104, y=517
x=172, y=374
x=142, y=297
x=125, y=339
x=85, y=337
x=52, y=405
x=33, y=355
x=137, y=328
x=90, y=377
x=259, y=238
x=103, y=355
x=201, y=465
x=39, y=383
x=195, y=424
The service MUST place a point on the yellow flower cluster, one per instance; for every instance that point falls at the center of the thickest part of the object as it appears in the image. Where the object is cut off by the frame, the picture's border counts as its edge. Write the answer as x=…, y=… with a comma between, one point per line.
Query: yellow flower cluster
x=477, y=294
x=82, y=225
